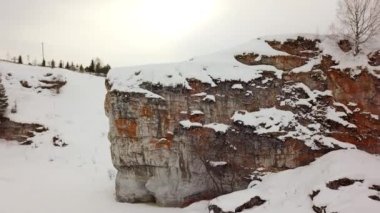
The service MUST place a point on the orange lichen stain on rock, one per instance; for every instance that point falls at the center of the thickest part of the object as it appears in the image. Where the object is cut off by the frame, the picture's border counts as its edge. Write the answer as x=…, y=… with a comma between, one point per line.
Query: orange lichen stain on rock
x=202, y=135
x=167, y=120
x=163, y=143
x=304, y=156
x=126, y=127
x=369, y=143
x=349, y=85
x=366, y=135
x=197, y=86
x=281, y=62
x=314, y=80
x=301, y=46
x=364, y=89
x=146, y=111
x=198, y=118
x=366, y=124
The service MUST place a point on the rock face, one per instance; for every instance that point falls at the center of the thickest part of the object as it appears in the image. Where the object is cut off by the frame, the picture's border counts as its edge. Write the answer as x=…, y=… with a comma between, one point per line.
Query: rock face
x=175, y=144
x=21, y=132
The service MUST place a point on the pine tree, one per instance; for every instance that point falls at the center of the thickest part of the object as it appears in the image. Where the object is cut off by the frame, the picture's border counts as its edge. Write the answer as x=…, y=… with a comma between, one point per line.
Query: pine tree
x=67, y=66
x=3, y=99
x=105, y=69
x=81, y=68
x=98, y=67
x=91, y=68
x=20, y=59
x=52, y=63
x=43, y=63
x=61, y=64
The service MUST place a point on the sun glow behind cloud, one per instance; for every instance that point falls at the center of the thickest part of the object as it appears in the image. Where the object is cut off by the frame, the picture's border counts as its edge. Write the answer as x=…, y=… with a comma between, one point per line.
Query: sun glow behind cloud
x=163, y=20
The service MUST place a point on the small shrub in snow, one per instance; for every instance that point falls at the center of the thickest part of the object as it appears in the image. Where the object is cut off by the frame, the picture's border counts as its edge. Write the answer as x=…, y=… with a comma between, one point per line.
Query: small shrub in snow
x=25, y=84
x=14, y=108
x=57, y=141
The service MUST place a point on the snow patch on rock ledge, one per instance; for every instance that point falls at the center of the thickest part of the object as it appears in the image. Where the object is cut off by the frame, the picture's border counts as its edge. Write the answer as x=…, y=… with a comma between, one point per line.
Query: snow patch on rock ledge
x=336, y=116
x=312, y=95
x=345, y=60
x=209, y=98
x=237, y=86
x=187, y=124
x=272, y=120
x=266, y=120
x=217, y=127
x=217, y=163
x=196, y=112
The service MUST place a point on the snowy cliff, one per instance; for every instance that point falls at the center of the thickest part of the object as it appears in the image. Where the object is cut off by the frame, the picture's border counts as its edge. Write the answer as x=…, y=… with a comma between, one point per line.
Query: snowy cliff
x=197, y=129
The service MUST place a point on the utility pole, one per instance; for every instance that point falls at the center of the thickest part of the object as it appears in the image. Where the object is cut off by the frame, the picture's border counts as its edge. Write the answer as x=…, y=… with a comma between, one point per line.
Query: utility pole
x=43, y=53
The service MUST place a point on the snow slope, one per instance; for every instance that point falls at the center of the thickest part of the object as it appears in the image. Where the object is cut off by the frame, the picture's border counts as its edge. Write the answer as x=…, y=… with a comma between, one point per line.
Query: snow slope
x=289, y=191
x=43, y=178
x=220, y=65
x=223, y=66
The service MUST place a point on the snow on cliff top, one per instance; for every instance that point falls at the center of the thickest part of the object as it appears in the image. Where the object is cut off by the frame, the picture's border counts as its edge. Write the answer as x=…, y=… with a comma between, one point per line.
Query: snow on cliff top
x=223, y=66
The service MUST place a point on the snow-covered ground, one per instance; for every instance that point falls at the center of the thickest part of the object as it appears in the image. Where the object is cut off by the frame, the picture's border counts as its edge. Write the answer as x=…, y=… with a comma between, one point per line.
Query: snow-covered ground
x=42, y=178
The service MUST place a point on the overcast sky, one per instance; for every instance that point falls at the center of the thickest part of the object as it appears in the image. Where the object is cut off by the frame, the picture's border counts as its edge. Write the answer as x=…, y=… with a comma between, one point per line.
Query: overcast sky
x=130, y=32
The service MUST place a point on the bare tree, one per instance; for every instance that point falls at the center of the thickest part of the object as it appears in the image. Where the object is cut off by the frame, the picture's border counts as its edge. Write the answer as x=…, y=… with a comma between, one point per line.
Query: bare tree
x=360, y=20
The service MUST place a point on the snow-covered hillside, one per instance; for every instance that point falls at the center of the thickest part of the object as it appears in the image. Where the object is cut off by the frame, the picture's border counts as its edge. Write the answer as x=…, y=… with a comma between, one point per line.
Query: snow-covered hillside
x=43, y=178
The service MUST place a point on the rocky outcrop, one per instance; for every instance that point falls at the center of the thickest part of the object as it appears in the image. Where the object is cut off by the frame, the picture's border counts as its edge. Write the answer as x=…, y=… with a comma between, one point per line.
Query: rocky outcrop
x=174, y=144
x=49, y=82
x=300, y=50
x=24, y=132
x=374, y=58
x=255, y=201
x=345, y=45
x=301, y=46
x=286, y=63
x=21, y=132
